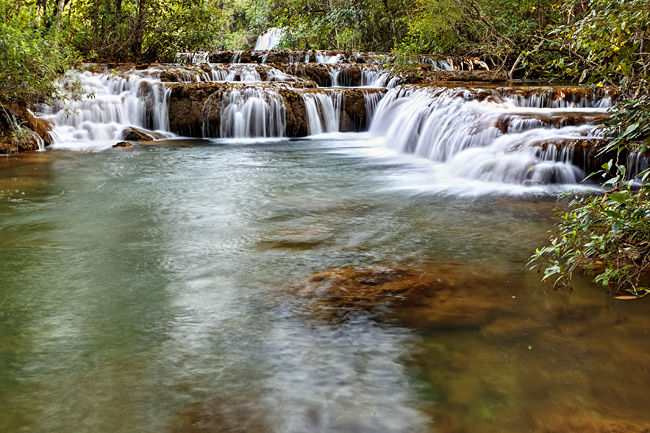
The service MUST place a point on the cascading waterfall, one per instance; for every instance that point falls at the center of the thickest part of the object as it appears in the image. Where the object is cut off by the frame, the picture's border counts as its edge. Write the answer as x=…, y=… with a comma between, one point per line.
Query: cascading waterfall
x=250, y=112
x=323, y=111
x=268, y=40
x=324, y=58
x=551, y=98
x=378, y=77
x=518, y=135
x=371, y=99
x=484, y=139
x=110, y=105
x=334, y=75
x=194, y=57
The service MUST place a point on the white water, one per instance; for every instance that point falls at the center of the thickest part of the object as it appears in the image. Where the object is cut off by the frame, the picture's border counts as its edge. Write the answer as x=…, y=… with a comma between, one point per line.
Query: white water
x=371, y=100
x=509, y=136
x=110, y=105
x=197, y=57
x=321, y=57
x=268, y=40
x=378, y=77
x=250, y=112
x=323, y=111
x=448, y=126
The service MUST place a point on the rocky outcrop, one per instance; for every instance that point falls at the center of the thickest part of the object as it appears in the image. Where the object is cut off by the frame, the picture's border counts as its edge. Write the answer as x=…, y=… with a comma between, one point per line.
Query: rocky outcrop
x=21, y=131
x=193, y=107
x=459, y=63
x=136, y=134
x=186, y=106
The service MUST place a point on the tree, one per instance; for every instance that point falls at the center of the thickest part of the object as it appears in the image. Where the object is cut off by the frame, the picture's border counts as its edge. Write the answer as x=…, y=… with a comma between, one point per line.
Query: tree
x=608, y=236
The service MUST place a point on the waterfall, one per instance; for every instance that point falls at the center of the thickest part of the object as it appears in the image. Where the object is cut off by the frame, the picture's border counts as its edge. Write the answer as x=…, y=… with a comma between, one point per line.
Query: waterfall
x=251, y=112
x=198, y=57
x=268, y=40
x=549, y=97
x=110, y=105
x=334, y=75
x=321, y=57
x=378, y=77
x=636, y=163
x=371, y=99
x=489, y=140
x=323, y=111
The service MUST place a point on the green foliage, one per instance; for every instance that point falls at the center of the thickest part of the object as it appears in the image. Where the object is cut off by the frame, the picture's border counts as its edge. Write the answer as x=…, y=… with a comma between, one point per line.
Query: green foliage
x=370, y=25
x=153, y=30
x=606, y=42
x=31, y=57
x=608, y=236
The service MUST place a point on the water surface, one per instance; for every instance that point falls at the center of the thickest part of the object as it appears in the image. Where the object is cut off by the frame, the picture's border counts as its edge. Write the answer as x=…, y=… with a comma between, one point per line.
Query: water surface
x=149, y=289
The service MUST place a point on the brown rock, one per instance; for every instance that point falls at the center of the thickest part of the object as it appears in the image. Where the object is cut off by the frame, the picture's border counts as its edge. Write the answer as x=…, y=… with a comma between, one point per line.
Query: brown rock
x=447, y=295
x=123, y=144
x=135, y=134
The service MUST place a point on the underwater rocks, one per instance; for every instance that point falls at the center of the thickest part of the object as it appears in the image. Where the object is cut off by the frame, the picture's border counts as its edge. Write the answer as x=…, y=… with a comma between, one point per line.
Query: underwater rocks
x=445, y=295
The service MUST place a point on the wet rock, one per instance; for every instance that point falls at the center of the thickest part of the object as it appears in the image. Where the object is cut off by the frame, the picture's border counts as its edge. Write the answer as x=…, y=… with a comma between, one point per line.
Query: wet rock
x=195, y=105
x=448, y=295
x=123, y=144
x=136, y=134
x=186, y=104
x=296, y=113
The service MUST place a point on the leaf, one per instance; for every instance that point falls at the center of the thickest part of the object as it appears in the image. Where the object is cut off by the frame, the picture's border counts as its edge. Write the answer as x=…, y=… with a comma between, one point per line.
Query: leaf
x=630, y=129
x=618, y=197
x=626, y=297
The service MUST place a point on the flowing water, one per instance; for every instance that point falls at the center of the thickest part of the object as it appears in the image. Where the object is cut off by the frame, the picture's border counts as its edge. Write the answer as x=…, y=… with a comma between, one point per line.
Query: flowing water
x=177, y=286
x=149, y=290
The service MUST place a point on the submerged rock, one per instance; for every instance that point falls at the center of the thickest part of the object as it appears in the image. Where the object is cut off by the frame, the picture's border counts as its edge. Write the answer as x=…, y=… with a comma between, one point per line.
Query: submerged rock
x=123, y=144
x=447, y=295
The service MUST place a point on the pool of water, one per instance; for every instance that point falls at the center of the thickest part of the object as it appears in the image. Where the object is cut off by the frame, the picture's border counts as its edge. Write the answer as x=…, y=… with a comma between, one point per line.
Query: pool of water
x=151, y=289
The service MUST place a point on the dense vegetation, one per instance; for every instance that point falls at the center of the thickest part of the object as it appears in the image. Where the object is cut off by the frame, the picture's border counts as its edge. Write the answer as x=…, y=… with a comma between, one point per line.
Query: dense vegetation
x=602, y=42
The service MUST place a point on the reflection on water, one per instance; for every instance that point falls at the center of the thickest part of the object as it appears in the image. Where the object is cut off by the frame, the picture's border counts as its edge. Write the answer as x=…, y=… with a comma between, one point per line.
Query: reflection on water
x=154, y=289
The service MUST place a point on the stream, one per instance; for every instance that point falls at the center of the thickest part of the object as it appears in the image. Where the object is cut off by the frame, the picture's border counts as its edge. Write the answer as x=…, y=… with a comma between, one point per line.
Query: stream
x=150, y=289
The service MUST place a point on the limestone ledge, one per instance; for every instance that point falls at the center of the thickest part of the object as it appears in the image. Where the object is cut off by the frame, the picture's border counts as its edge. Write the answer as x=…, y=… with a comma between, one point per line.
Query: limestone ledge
x=191, y=105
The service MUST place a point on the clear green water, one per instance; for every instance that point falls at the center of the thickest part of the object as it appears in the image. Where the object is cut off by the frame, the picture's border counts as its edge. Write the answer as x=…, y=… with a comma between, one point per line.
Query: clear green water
x=148, y=290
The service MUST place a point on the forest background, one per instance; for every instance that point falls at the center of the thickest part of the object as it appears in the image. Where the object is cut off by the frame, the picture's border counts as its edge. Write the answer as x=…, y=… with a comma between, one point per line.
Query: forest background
x=598, y=42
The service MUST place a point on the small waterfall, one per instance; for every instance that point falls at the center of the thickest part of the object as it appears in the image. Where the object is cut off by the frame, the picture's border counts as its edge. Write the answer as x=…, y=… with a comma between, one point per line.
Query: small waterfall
x=198, y=57
x=334, y=75
x=242, y=73
x=268, y=40
x=636, y=163
x=321, y=57
x=112, y=104
x=378, y=77
x=323, y=111
x=479, y=139
x=250, y=112
x=371, y=99
x=557, y=98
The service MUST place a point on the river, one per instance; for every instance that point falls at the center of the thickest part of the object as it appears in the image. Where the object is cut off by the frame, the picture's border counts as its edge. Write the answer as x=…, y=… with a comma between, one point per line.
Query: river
x=153, y=289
